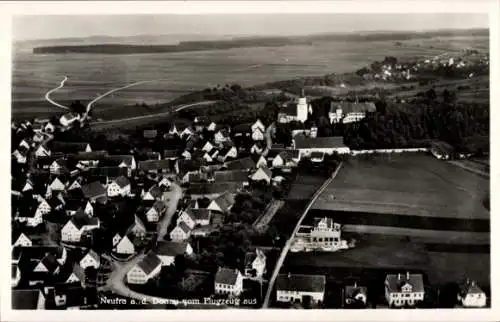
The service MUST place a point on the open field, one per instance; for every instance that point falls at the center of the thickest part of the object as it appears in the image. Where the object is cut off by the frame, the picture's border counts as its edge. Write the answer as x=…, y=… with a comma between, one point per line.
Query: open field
x=305, y=186
x=416, y=185
x=381, y=253
x=180, y=73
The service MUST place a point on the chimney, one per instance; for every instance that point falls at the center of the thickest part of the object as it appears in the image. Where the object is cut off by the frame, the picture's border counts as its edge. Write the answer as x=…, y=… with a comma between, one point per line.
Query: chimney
x=407, y=276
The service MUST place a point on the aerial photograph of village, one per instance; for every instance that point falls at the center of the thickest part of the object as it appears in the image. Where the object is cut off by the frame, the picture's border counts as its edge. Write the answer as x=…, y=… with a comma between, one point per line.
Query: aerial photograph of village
x=328, y=161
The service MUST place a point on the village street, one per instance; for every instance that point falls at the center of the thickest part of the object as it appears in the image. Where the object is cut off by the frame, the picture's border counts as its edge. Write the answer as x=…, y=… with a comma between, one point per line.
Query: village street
x=171, y=200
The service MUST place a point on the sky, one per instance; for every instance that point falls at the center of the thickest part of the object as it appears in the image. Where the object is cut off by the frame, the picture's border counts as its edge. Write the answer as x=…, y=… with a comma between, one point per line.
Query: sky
x=66, y=26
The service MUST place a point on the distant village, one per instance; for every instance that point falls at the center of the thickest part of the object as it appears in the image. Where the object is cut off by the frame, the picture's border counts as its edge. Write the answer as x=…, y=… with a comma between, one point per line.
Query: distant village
x=86, y=222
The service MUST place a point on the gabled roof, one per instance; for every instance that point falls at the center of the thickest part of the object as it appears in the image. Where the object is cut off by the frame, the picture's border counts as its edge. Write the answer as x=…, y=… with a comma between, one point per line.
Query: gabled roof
x=469, y=287
x=352, y=107
x=110, y=172
x=93, y=190
x=251, y=256
x=396, y=281
x=25, y=299
x=155, y=191
x=122, y=181
x=226, y=276
x=225, y=201
x=67, y=270
x=73, y=204
x=50, y=262
x=159, y=206
x=240, y=164
x=232, y=175
x=301, y=283
x=81, y=219
x=149, y=263
x=92, y=254
x=302, y=142
x=155, y=165
x=265, y=170
x=118, y=159
x=182, y=225
x=198, y=214
x=170, y=248
x=214, y=188
x=69, y=147
x=186, y=166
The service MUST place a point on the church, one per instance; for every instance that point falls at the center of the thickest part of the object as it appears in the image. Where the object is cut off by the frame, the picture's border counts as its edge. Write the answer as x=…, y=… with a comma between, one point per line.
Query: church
x=295, y=111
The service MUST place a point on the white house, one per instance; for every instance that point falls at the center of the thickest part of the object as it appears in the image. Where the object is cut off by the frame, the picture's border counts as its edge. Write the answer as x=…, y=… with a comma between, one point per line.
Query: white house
x=119, y=187
x=263, y=173
x=404, y=289
x=228, y=281
x=255, y=264
x=295, y=287
x=471, y=295
x=148, y=268
x=156, y=211
x=348, y=112
x=168, y=250
x=193, y=217
x=181, y=232
x=283, y=159
x=221, y=136
x=211, y=127
x=42, y=151
x=24, y=145
x=325, y=234
x=154, y=193
x=208, y=147
x=57, y=185
x=22, y=240
x=125, y=246
x=91, y=259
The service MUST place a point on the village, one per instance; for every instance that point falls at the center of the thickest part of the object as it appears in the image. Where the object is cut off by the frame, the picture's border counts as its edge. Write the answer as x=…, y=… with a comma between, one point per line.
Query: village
x=87, y=223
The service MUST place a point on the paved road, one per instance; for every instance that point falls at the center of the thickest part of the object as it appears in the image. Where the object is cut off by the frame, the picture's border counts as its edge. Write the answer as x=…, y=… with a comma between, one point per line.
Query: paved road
x=171, y=199
x=47, y=95
x=290, y=240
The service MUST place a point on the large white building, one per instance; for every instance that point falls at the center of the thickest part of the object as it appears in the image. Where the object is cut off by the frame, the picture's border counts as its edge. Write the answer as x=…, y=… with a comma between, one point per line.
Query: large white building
x=323, y=235
x=404, y=289
x=295, y=111
x=328, y=145
x=296, y=287
x=349, y=112
x=148, y=268
x=228, y=281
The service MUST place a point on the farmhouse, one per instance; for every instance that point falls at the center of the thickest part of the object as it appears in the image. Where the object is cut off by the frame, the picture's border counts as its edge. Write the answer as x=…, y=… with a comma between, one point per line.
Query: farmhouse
x=156, y=211
x=126, y=245
x=74, y=228
x=223, y=203
x=263, y=173
x=193, y=217
x=119, y=187
x=328, y=145
x=91, y=259
x=181, y=232
x=296, y=287
x=349, y=112
x=255, y=264
x=471, y=295
x=228, y=281
x=404, y=289
x=168, y=250
x=148, y=268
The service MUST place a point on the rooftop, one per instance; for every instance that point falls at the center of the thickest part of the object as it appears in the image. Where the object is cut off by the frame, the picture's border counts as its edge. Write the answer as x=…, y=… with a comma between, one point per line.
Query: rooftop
x=301, y=282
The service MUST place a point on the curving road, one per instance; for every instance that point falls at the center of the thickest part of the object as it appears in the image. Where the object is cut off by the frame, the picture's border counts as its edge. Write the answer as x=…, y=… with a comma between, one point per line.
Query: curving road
x=47, y=95
x=290, y=240
x=171, y=200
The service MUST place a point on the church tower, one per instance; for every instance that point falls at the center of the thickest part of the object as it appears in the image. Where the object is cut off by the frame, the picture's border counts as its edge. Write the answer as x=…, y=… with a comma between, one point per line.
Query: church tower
x=302, y=108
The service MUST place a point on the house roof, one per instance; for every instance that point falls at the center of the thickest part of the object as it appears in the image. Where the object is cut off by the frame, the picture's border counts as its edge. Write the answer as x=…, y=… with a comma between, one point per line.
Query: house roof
x=289, y=109
x=122, y=181
x=240, y=164
x=92, y=254
x=302, y=142
x=301, y=283
x=251, y=256
x=214, y=188
x=68, y=147
x=81, y=219
x=317, y=155
x=266, y=171
x=159, y=206
x=469, y=287
x=67, y=270
x=155, y=165
x=231, y=175
x=149, y=263
x=93, y=189
x=182, y=225
x=395, y=281
x=198, y=214
x=110, y=172
x=351, y=291
x=90, y=156
x=74, y=204
x=155, y=191
x=50, y=262
x=242, y=128
x=170, y=248
x=186, y=166
x=25, y=299
x=225, y=201
x=352, y=107
x=226, y=276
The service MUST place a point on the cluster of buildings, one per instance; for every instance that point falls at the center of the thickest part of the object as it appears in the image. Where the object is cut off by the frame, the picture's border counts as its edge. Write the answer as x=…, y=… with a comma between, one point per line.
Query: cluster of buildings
x=401, y=290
